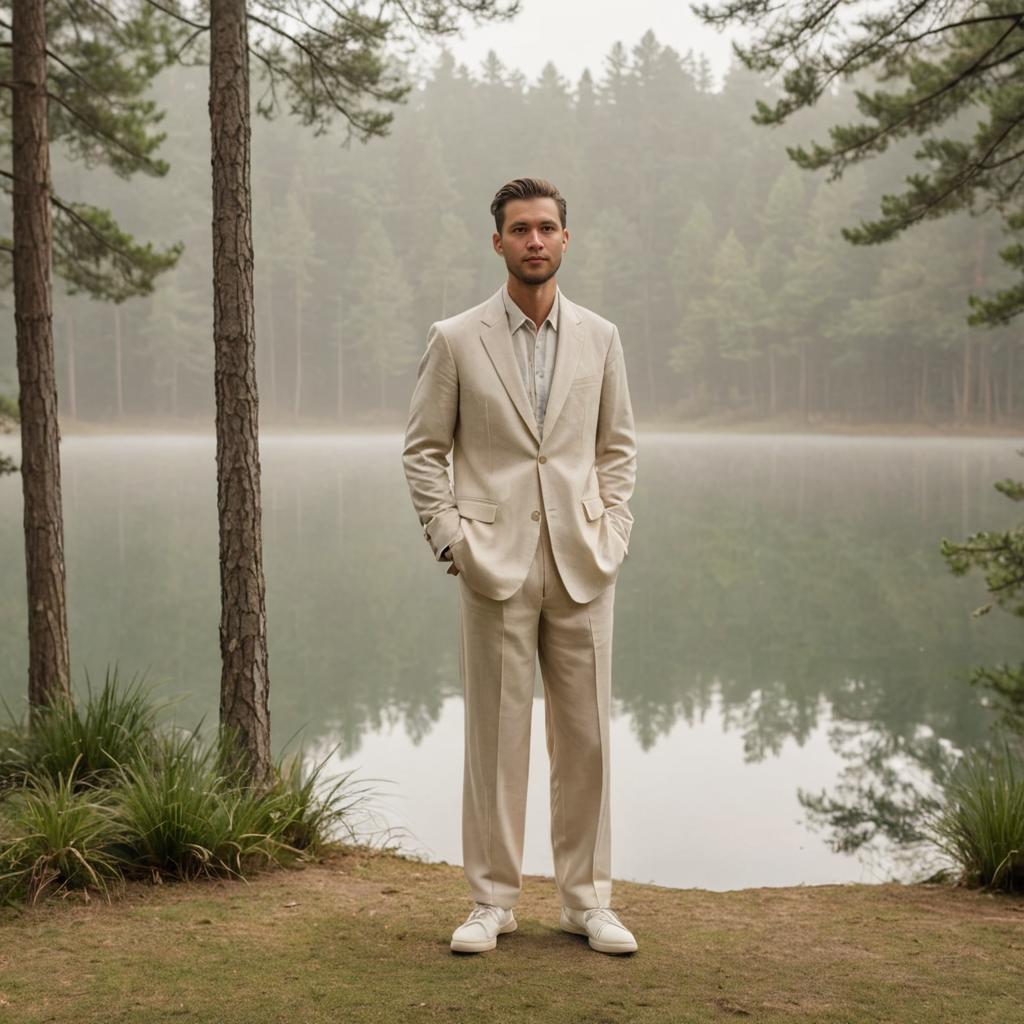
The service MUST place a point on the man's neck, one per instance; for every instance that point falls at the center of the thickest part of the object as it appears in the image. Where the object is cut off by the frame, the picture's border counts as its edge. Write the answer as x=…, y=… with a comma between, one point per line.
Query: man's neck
x=535, y=300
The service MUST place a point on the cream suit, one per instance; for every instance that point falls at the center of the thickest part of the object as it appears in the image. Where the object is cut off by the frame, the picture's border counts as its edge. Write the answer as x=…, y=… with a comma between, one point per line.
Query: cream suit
x=538, y=529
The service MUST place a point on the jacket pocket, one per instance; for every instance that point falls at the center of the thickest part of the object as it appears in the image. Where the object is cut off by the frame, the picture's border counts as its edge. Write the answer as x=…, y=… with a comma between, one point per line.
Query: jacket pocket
x=594, y=507
x=481, y=509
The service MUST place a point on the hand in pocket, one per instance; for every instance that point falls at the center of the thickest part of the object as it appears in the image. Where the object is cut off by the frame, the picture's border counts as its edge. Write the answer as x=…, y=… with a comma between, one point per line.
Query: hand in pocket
x=453, y=569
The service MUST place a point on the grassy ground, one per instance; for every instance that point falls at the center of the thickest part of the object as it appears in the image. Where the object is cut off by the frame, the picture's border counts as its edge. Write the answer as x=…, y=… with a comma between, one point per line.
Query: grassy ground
x=363, y=936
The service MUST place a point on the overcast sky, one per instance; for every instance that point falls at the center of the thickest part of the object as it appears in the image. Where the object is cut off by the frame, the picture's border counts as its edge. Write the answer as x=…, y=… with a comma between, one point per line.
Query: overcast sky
x=574, y=34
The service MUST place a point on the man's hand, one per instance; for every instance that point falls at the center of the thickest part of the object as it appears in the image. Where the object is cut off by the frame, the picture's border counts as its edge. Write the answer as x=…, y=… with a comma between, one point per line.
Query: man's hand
x=446, y=556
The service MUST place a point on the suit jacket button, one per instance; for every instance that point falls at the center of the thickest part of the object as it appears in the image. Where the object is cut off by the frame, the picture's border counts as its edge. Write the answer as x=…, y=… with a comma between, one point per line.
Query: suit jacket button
x=535, y=515
x=543, y=458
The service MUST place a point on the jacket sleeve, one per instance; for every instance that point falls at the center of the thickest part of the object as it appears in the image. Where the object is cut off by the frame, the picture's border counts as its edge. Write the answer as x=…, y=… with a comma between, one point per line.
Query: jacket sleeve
x=616, y=441
x=433, y=411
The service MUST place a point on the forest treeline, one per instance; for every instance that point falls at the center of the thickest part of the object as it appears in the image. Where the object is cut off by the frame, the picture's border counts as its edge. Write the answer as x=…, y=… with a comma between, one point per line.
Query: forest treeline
x=721, y=262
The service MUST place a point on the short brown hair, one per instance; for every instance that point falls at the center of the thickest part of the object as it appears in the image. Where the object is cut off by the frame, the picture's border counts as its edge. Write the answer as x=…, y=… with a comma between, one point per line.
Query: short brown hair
x=525, y=188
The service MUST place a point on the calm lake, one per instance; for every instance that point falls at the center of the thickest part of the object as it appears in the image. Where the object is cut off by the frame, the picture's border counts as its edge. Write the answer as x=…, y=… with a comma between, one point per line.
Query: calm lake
x=784, y=627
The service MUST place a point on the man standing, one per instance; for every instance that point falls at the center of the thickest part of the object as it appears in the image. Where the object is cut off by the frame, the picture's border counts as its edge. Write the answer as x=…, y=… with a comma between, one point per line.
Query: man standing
x=528, y=391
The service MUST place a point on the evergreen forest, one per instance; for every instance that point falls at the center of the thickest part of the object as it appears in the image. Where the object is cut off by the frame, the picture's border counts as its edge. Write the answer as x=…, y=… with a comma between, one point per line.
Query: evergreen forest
x=736, y=296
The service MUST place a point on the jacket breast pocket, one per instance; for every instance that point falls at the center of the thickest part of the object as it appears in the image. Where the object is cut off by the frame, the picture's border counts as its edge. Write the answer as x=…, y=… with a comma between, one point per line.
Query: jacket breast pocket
x=482, y=509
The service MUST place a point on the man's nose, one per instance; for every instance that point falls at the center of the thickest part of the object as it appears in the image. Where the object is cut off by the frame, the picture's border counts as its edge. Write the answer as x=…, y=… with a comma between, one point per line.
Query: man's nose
x=536, y=242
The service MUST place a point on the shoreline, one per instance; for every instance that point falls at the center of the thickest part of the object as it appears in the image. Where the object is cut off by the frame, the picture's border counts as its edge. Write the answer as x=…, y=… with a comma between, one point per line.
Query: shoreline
x=894, y=429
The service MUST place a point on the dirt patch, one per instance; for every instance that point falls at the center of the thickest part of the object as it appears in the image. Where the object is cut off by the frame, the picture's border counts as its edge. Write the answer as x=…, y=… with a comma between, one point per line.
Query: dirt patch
x=363, y=936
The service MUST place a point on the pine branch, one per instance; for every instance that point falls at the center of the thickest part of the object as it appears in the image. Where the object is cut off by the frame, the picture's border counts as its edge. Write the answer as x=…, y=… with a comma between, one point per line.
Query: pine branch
x=155, y=168
x=177, y=16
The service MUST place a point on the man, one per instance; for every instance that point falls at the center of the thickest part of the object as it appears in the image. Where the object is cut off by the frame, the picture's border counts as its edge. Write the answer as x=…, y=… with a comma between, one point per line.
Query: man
x=528, y=391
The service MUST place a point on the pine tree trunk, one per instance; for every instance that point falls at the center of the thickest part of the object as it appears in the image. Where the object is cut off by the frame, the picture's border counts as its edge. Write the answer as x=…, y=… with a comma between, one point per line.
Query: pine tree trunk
x=48, y=658
x=245, y=684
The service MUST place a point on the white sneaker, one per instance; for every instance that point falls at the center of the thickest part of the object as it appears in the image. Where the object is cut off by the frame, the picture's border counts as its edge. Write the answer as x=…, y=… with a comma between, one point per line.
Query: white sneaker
x=481, y=929
x=604, y=931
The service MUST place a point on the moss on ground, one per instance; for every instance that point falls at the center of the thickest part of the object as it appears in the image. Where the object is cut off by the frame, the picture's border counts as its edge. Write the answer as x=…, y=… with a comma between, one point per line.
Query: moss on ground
x=363, y=936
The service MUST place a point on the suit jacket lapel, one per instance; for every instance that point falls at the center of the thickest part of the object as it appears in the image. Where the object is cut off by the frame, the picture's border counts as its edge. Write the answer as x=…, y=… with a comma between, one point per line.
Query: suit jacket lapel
x=498, y=341
x=494, y=333
x=567, y=356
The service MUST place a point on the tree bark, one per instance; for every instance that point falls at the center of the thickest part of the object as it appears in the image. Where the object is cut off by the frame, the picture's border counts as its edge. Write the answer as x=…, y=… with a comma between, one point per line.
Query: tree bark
x=245, y=683
x=48, y=657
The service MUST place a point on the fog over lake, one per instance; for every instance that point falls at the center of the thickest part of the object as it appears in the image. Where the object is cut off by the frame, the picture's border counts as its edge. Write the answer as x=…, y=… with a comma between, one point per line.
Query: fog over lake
x=784, y=624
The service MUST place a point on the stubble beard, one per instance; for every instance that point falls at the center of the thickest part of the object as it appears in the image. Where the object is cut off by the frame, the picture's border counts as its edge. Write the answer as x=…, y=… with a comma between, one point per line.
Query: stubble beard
x=521, y=273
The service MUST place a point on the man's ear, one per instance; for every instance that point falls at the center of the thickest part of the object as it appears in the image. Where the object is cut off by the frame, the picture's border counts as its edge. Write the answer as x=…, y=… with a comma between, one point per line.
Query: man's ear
x=496, y=242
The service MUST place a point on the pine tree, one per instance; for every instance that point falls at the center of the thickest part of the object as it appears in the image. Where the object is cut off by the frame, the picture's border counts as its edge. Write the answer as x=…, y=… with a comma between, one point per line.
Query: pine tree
x=942, y=63
x=94, y=79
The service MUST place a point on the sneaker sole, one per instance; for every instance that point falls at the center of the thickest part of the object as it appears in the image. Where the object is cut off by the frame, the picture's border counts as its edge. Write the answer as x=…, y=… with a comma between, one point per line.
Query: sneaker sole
x=482, y=945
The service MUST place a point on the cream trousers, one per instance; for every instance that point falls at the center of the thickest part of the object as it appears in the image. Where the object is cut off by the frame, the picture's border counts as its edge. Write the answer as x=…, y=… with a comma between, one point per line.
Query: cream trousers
x=501, y=642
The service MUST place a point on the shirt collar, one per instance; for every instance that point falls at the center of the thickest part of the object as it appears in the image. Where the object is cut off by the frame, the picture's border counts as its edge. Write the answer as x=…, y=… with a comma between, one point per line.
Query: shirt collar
x=516, y=317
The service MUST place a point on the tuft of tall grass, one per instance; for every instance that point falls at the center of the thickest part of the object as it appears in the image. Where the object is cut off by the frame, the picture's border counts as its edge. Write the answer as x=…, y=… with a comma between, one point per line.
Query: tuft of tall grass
x=318, y=811
x=981, y=823
x=112, y=727
x=57, y=837
x=184, y=817
x=99, y=793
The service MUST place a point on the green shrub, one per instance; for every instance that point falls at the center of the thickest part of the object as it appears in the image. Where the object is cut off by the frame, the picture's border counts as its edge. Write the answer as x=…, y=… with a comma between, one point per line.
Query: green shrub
x=56, y=836
x=184, y=817
x=981, y=824
x=9, y=407
x=112, y=728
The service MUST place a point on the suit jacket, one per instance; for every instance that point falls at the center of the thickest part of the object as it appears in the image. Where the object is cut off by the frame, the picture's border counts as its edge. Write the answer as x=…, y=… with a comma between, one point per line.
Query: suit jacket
x=470, y=400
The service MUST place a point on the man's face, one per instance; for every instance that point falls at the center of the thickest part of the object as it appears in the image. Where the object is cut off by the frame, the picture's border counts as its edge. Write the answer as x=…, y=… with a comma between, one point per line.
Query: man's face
x=532, y=239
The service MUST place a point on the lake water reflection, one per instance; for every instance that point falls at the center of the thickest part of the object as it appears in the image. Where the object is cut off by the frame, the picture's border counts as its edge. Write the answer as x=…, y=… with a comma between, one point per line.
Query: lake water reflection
x=784, y=624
